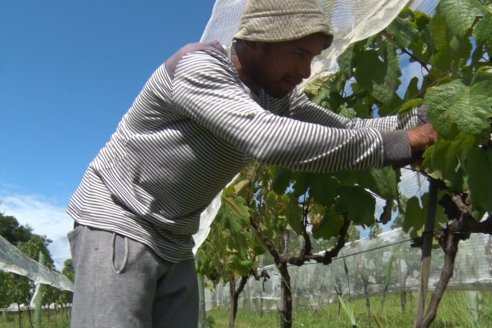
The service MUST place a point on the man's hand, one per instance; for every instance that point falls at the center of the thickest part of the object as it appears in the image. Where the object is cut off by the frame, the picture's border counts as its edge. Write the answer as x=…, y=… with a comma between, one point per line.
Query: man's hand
x=421, y=137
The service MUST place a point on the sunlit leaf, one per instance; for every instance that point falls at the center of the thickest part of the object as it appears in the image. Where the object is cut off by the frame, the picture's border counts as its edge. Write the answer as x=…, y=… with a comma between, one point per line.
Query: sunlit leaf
x=483, y=28
x=456, y=107
x=460, y=14
x=411, y=104
x=241, y=185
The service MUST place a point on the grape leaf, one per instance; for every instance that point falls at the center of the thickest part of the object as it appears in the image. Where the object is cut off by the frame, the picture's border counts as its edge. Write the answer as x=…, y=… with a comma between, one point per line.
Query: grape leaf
x=411, y=104
x=456, y=106
x=460, y=14
x=414, y=216
x=370, y=69
x=381, y=181
x=403, y=31
x=329, y=226
x=483, y=29
x=479, y=169
x=323, y=188
x=442, y=55
x=357, y=204
x=281, y=179
x=293, y=213
x=442, y=160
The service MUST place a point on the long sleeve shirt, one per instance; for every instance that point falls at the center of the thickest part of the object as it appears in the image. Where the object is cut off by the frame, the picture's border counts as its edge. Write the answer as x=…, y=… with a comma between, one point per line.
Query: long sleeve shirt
x=193, y=127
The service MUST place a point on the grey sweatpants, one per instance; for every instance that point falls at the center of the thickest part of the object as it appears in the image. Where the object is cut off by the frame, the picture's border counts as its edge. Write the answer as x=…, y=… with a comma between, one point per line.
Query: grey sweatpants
x=120, y=283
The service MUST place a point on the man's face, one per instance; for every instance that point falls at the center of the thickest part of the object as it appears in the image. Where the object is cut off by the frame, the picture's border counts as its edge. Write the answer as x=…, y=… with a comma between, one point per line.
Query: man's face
x=280, y=67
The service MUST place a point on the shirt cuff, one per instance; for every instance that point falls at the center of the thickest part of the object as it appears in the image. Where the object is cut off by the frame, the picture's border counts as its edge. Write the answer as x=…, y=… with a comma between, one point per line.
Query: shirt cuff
x=396, y=147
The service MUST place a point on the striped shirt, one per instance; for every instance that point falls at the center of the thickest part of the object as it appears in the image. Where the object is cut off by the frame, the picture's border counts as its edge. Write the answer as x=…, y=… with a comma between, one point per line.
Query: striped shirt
x=193, y=127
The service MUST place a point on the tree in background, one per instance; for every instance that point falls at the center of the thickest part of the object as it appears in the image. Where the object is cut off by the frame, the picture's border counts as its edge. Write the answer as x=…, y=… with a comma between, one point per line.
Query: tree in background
x=16, y=288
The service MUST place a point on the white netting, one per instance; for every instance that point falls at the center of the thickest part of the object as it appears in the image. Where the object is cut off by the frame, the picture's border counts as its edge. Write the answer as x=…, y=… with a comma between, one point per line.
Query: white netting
x=13, y=260
x=367, y=267
x=351, y=21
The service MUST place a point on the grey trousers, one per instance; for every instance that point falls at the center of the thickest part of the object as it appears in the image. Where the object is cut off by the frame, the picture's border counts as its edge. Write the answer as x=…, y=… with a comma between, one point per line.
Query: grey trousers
x=121, y=283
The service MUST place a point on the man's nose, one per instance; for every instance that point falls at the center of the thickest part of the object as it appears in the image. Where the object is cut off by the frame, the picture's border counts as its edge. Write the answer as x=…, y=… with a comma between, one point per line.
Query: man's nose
x=305, y=69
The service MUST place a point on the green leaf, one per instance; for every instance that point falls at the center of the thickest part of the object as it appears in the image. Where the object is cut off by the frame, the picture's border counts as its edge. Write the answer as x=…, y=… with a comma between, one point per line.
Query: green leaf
x=293, y=213
x=442, y=160
x=478, y=165
x=403, y=31
x=385, y=91
x=241, y=185
x=410, y=105
x=370, y=69
x=300, y=185
x=237, y=267
x=281, y=180
x=295, y=223
x=482, y=30
x=381, y=181
x=345, y=61
x=357, y=204
x=244, y=267
x=347, y=111
x=442, y=56
x=454, y=107
x=451, y=51
x=460, y=15
x=237, y=206
x=348, y=311
x=461, y=49
x=412, y=90
x=323, y=188
x=483, y=74
x=329, y=226
x=414, y=217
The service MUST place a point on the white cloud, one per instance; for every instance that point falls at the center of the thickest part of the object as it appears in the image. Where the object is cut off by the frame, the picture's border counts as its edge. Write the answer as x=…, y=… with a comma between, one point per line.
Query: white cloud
x=45, y=218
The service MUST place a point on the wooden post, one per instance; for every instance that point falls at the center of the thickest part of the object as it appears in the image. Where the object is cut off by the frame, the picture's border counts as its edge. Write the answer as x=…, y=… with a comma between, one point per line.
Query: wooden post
x=202, y=314
x=38, y=300
x=426, y=252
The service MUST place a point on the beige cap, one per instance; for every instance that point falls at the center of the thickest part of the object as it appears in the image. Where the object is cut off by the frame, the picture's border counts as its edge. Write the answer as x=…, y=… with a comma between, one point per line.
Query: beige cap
x=282, y=20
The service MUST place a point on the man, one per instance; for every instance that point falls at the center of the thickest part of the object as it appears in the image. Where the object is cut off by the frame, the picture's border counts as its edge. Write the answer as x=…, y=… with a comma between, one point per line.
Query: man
x=203, y=115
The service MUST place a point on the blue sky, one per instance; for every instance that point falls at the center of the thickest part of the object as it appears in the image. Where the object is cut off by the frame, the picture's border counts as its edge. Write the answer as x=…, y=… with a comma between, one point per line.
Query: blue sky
x=68, y=71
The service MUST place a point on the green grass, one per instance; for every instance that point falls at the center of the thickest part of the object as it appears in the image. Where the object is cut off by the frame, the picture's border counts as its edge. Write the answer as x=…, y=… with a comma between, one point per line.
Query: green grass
x=457, y=309
x=49, y=319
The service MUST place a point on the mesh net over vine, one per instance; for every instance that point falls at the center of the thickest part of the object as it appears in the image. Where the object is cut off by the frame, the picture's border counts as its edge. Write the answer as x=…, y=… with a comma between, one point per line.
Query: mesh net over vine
x=351, y=21
x=388, y=263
